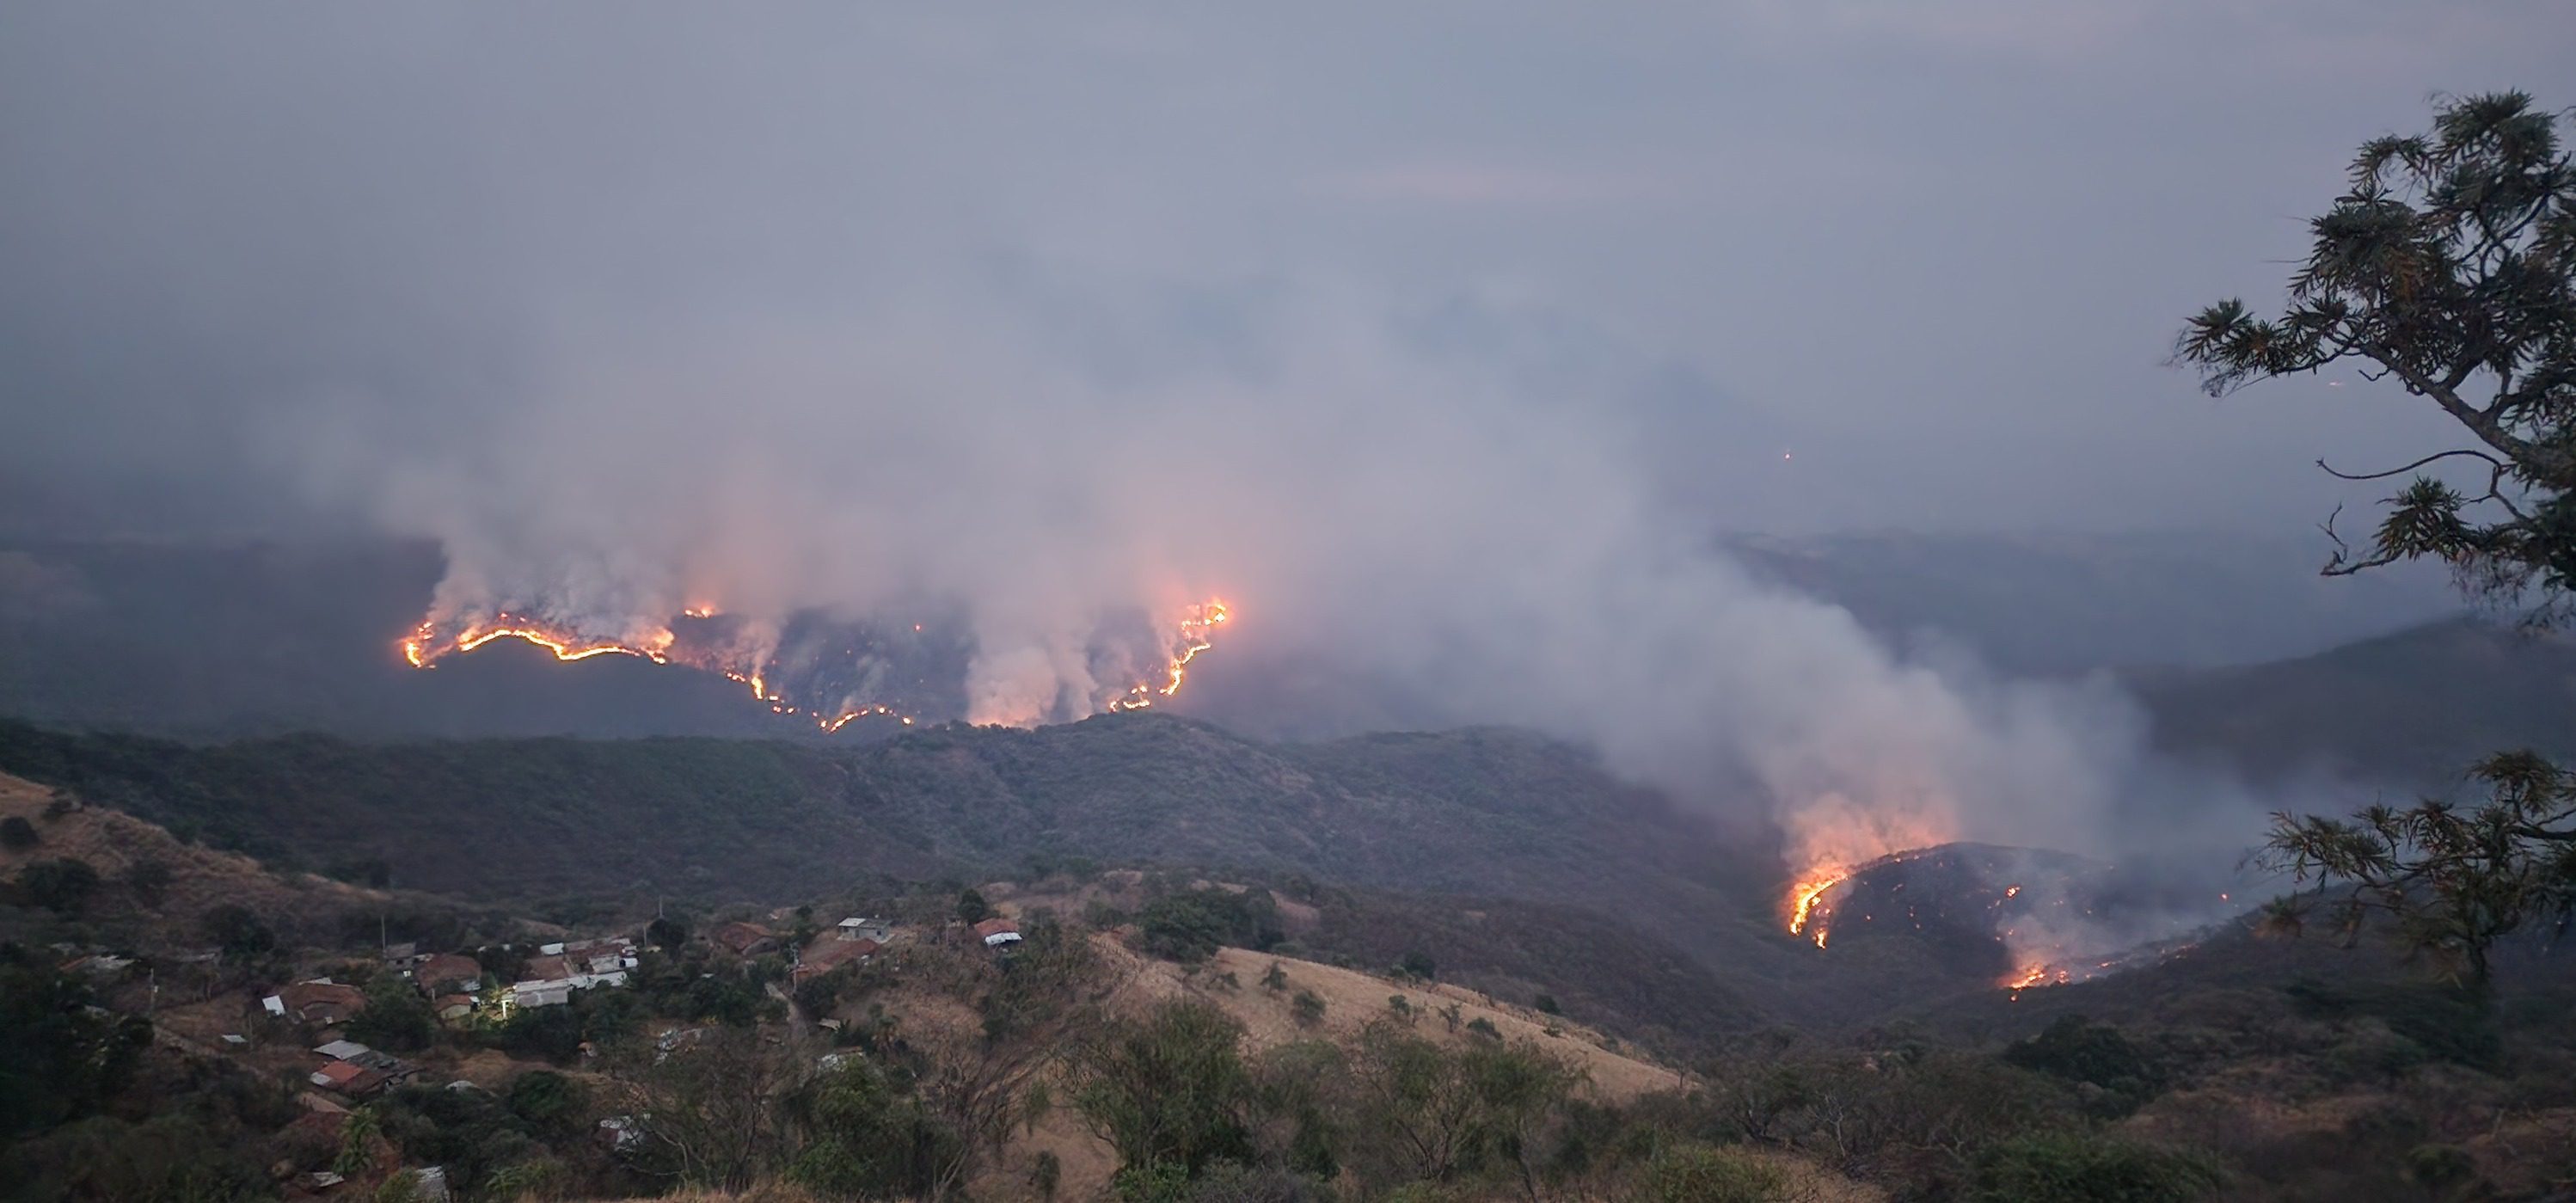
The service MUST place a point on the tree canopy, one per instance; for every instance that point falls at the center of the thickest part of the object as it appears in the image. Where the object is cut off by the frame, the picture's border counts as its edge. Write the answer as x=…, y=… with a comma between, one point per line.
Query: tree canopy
x=2449, y=266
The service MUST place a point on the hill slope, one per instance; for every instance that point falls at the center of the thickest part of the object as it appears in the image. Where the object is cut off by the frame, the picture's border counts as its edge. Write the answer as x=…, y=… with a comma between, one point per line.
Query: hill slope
x=1493, y=815
x=2410, y=709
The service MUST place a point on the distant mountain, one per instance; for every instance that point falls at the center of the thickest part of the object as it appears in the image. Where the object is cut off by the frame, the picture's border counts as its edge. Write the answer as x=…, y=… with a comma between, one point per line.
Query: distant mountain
x=2071, y=603
x=2410, y=710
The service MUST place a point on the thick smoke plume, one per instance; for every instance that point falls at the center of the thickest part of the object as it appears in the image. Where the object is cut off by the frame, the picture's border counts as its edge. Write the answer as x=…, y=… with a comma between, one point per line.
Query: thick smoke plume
x=1396, y=520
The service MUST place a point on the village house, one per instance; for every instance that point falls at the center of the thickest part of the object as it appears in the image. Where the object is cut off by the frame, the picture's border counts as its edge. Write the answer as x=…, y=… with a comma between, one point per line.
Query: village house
x=321, y=1002
x=742, y=939
x=860, y=928
x=452, y=1008
x=606, y=954
x=354, y=1070
x=997, y=931
x=622, y=1132
x=447, y=973
x=556, y=981
x=349, y=1078
x=825, y=956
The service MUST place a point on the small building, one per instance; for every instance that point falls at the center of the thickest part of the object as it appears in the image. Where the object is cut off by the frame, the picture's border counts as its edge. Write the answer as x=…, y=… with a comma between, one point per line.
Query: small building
x=453, y=1008
x=343, y=1050
x=102, y=964
x=827, y=955
x=447, y=973
x=322, y=1002
x=622, y=1132
x=742, y=939
x=997, y=931
x=555, y=991
x=549, y=992
x=864, y=928
x=606, y=954
x=349, y=1078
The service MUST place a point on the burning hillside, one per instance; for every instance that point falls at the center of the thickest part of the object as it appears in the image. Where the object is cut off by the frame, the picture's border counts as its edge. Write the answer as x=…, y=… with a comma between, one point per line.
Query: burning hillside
x=835, y=672
x=2020, y=917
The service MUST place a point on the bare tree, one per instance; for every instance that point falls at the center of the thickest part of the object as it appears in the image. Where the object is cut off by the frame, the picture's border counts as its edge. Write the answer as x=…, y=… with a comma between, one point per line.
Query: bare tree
x=710, y=1106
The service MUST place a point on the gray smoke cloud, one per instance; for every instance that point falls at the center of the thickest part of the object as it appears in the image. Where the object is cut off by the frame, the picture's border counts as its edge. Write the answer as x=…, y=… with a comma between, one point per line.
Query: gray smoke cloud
x=1436, y=345
x=1384, y=512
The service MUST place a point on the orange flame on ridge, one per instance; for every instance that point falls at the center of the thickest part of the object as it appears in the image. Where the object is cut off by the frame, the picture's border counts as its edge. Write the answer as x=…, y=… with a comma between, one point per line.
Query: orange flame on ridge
x=426, y=645
x=1197, y=629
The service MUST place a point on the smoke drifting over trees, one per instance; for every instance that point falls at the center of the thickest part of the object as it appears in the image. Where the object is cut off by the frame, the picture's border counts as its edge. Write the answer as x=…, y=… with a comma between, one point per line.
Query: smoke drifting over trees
x=961, y=317
x=1390, y=522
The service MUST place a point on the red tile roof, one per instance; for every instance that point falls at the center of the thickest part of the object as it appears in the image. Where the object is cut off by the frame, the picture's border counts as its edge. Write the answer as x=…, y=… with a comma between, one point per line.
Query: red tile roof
x=322, y=1002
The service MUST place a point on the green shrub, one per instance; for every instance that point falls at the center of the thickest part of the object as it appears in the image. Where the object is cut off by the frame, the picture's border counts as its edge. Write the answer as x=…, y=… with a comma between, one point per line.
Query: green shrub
x=1191, y=925
x=1306, y=1009
x=1698, y=1173
x=62, y=885
x=17, y=834
x=2078, y=1050
x=237, y=932
x=2439, y=1167
x=2057, y=1166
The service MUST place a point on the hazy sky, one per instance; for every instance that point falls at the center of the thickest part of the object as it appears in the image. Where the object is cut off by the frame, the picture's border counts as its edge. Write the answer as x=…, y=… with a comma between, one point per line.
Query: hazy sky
x=1837, y=262
x=1436, y=337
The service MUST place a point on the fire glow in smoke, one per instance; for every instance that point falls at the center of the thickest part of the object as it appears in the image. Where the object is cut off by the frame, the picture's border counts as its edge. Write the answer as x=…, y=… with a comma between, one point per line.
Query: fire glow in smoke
x=750, y=654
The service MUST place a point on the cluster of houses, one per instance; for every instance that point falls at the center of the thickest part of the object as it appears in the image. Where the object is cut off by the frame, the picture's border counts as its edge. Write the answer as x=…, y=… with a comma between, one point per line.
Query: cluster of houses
x=453, y=983
x=559, y=969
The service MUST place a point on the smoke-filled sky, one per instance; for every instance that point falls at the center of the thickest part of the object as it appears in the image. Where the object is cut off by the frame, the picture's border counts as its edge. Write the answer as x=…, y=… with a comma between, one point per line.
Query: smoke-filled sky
x=1437, y=337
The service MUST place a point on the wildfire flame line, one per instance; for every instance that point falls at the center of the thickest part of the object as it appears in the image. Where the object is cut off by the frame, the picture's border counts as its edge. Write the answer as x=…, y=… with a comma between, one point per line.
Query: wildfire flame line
x=1196, y=631
x=1810, y=913
x=425, y=646
x=422, y=647
x=1803, y=897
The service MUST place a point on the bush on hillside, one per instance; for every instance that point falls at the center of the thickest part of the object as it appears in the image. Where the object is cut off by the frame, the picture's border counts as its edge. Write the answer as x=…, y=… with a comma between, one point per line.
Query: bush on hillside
x=2076, y=1049
x=2052, y=1167
x=1189, y=926
x=62, y=885
x=1698, y=1173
